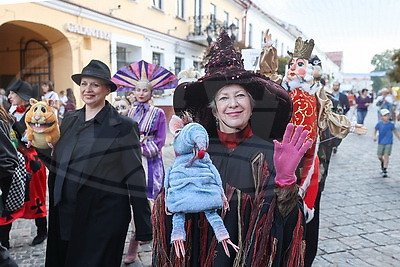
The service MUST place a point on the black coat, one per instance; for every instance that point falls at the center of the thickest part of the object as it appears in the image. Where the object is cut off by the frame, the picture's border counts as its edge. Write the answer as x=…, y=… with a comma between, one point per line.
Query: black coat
x=102, y=212
x=8, y=153
x=8, y=161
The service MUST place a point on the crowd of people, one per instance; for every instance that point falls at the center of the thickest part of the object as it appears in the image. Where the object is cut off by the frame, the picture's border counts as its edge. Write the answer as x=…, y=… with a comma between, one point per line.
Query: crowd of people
x=270, y=140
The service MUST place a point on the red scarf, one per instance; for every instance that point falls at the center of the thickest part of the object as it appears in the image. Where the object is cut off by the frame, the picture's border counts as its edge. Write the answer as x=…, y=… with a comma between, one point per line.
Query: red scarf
x=21, y=109
x=232, y=140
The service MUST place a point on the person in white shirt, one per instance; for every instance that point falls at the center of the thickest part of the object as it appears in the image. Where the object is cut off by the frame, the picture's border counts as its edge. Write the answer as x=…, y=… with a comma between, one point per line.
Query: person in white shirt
x=48, y=90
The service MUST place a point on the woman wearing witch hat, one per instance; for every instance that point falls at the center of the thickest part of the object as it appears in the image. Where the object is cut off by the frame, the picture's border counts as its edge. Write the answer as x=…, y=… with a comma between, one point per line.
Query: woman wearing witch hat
x=95, y=178
x=242, y=112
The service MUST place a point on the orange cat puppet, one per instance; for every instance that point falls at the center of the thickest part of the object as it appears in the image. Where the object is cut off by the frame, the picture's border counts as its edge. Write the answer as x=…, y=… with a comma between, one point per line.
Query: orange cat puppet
x=42, y=124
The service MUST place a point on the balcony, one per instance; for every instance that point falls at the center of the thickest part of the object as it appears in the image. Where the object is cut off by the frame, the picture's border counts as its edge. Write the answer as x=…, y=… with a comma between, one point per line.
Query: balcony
x=205, y=29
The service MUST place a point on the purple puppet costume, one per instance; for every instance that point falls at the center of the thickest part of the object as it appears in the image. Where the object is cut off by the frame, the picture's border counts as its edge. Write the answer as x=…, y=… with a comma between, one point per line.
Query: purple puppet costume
x=151, y=120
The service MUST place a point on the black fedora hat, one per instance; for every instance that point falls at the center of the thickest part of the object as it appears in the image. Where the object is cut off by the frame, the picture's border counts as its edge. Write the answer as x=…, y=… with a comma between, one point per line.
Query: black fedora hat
x=273, y=106
x=96, y=69
x=23, y=89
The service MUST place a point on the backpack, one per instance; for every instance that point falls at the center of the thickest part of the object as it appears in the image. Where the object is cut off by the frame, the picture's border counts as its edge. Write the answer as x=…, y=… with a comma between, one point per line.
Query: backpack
x=19, y=188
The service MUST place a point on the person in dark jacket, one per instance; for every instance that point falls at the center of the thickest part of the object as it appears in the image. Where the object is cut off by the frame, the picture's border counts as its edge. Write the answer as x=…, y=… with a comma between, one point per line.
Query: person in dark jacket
x=341, y=97
x=8, y=163
x=96, y=176
x=8, y=156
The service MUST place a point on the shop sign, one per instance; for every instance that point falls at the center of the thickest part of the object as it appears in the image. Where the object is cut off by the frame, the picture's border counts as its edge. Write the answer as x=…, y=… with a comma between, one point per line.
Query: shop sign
x=88, y=31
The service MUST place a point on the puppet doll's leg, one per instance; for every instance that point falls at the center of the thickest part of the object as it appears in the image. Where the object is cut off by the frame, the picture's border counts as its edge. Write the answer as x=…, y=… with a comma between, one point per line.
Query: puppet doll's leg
x=178, y=234
x=220, y=231
x=217, y=224
x=178, y=227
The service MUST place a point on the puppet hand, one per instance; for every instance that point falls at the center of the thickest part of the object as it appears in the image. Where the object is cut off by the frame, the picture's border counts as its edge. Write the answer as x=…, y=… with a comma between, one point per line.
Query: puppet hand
x=308, y=213
x=166, y=209
x=179, y=248
x=287, y=155
x=226, y=203
x=359, y=129
x=225, y=243
x=29, y=144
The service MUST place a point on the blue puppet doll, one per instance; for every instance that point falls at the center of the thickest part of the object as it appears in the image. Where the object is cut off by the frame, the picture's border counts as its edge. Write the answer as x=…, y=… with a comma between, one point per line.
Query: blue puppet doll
x=193, y=184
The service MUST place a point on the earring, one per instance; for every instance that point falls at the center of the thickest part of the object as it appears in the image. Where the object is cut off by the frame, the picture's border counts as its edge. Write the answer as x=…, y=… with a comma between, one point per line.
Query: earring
x=217, y=121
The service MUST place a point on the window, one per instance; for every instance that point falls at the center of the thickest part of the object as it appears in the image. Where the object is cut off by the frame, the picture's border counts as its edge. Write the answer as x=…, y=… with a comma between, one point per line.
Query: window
x=213, y=12
x=250, y=35
x=157, y=4
x=226, y=19
x=156, y=58
x=237, y=24
x=262, y=38
x=180, y=9
x=178, y=65
x=196, y=65
x=121, y=57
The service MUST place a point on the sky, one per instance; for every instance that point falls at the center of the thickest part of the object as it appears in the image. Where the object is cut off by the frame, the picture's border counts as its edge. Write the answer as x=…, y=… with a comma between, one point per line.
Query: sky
x=359, y=28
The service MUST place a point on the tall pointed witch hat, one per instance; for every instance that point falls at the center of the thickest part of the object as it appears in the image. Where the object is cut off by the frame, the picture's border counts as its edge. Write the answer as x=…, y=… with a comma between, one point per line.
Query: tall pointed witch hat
x=156, y=76
x=273, y=107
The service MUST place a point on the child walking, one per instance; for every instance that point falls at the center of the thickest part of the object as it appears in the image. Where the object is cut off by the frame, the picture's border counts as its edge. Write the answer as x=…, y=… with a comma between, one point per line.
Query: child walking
x=386, y=129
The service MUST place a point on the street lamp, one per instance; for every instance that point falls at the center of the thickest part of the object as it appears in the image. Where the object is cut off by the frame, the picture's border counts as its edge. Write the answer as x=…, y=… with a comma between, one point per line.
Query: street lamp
x=232, y=30
x=209, y=31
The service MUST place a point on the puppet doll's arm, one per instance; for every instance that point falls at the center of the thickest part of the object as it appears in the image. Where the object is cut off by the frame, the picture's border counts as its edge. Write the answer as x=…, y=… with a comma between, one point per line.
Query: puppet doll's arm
x=166, y=186
x=218, y=180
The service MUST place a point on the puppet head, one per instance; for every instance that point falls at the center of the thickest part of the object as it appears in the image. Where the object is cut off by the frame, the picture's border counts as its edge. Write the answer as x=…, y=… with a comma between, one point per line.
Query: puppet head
x=189, y=136
x=40, y=117
x=299, y=73
x=122, y=105
x=297, y=67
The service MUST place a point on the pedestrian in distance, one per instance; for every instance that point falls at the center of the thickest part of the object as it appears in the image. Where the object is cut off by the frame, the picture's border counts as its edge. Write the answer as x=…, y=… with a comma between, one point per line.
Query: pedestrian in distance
x=386, y=129
x=96, y=176
x=70, y=104
x=49, y=93
x=363, y=102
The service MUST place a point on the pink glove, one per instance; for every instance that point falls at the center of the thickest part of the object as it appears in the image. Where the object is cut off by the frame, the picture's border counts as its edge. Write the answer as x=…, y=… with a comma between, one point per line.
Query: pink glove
x=287, y=155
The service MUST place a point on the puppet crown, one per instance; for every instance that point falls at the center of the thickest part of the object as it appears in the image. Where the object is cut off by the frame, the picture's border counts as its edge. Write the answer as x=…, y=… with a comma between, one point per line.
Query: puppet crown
x=302, y=49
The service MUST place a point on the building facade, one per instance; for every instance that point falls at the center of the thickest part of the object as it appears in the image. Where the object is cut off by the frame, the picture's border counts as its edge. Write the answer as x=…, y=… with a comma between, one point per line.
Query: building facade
x=51, y=40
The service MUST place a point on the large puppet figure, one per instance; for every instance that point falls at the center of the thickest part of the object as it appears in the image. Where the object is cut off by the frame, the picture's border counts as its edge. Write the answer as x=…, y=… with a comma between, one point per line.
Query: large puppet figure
x=315, y=111
x=298, y=81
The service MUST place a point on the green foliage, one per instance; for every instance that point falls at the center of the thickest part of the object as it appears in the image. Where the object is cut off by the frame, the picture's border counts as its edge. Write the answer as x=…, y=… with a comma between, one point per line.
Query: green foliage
x=394, y=74
x=282, y=63
x=383, y=61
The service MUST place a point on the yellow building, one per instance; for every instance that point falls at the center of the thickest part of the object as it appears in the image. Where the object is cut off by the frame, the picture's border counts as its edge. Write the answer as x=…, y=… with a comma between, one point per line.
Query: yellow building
x=51, y=40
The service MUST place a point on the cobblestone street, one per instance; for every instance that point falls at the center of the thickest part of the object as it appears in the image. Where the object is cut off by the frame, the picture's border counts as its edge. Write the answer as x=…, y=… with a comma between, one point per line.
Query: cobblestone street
x=360, y=215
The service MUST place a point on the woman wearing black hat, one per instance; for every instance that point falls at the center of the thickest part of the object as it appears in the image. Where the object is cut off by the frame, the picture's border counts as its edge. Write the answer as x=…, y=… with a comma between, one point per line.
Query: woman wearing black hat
x=95, y=176
x=35, y=208
x=242, y=112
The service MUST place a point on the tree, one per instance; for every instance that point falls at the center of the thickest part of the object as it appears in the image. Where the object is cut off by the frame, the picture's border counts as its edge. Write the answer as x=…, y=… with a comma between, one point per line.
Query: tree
x=382, y=62
x=282, y=63
x=394, y=74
